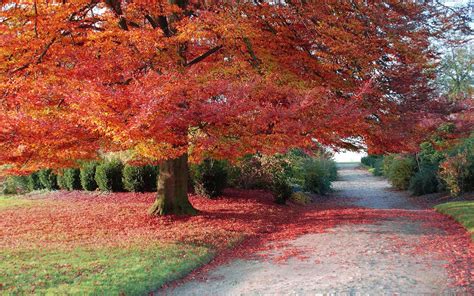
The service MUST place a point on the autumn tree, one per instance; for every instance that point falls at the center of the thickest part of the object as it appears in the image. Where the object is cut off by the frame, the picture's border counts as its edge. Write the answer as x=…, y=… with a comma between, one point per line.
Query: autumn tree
x=176, y=79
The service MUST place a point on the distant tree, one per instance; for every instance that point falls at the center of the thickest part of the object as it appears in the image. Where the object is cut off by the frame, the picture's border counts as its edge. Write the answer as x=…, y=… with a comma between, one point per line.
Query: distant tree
x=456, y=73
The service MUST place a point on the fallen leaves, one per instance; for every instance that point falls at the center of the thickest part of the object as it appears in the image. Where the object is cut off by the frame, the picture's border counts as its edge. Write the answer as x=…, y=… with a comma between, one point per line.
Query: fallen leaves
x=244, y=217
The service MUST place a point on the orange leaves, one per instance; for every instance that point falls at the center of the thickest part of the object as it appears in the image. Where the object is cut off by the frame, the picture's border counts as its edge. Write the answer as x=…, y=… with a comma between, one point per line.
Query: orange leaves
x=245, y=77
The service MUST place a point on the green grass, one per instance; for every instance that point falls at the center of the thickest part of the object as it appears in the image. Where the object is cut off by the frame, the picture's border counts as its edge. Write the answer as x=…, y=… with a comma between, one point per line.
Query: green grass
x=461, y=211
x=9, y=202
x=112, y=271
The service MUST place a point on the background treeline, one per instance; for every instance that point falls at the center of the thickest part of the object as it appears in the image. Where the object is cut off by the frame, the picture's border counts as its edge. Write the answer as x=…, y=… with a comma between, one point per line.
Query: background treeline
x=429, y=171
x=285, y=175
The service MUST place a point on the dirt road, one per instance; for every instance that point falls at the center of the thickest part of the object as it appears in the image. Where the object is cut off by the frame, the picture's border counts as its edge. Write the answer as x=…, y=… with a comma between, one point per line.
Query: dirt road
x=406, y=251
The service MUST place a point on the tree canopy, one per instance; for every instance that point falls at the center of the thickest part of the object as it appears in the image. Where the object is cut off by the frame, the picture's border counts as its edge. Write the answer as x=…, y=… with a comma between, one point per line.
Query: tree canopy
x=213, y=78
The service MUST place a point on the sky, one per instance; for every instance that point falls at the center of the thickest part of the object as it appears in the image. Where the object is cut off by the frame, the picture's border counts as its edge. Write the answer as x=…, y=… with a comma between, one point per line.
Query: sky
x=349, y=156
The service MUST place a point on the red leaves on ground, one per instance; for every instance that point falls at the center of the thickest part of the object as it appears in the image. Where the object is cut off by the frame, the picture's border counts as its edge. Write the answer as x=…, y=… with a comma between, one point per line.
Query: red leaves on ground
x=76, y=219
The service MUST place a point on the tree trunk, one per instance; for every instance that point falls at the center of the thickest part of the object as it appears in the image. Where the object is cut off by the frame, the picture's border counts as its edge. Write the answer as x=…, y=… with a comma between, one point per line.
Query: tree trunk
x=172, y=187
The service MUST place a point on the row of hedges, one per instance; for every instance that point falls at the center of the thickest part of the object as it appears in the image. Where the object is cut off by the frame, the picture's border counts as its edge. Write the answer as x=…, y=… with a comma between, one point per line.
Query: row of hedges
x=430, y=170
x=105, y=176
x=282, y=174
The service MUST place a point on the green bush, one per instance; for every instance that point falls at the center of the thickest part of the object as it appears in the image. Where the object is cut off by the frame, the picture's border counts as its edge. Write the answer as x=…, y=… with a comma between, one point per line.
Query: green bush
x=48, y=179
x=371, y=160
x=140, y=178
x=400, y=170
x=424, y=181
x=375, y=164
x=378, y=167
x=429, y=156
x=209, y=177
x=386, y=163
x=87, y=176
x=281, y=190
x=108, y=176
x=9, y=186
x=465, y=150
x=317, y=178
x=258, y=171
x=284, y=171
x=71, y=178
x=61, y=181
x=331, y=167
x=15, y=185
x=34, y=182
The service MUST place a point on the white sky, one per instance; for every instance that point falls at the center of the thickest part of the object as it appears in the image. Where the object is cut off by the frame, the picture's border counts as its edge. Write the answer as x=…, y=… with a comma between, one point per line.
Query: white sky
x=349, y=156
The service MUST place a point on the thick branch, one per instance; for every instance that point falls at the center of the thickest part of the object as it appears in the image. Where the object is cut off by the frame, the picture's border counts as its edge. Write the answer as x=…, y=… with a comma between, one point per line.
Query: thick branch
x=203, y=56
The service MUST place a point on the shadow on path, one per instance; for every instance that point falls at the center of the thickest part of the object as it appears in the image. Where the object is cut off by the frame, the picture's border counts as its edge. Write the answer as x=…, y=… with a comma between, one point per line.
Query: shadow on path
x=380, y=243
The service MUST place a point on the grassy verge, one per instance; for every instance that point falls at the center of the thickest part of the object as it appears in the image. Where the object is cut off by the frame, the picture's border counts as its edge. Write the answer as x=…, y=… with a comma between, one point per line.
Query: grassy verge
x=461, y=211
x=99, y=271
x=10, y=201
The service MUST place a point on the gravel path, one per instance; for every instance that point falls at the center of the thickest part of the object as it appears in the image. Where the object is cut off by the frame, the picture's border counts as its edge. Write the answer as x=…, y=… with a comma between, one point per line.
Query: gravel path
x=370, y=258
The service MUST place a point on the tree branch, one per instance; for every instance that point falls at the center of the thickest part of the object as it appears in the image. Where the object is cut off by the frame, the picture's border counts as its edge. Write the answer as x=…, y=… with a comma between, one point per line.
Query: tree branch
x=40, y=57
x=203, y=56
x=255, y=60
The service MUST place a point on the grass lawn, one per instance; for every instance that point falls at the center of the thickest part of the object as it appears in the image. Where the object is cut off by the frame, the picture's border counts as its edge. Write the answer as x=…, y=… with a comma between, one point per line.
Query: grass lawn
x=76, y=243
x=461, y=211
x=98, y=271
x=10, y=201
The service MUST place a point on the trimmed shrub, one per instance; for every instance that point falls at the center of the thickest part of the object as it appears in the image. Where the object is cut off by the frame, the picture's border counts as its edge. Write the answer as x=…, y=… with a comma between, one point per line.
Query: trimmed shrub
x=316, y=176
x=424, y=182
x=87, y=176
x=281, y=190
x=140, y=178
x=108, y=176
x=15, y=185
x=209, y=177
x=48, y=179
x=34, y=182
x=9, y=186
x=61, y=181
x=71, y=178
x=400, y=171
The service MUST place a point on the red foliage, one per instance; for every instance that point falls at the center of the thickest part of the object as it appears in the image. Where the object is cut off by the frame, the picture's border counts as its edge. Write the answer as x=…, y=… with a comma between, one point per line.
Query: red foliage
x=159, y=77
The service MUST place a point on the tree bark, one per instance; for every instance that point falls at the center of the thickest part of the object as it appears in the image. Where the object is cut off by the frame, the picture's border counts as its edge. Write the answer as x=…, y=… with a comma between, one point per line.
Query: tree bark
x=172, y=187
